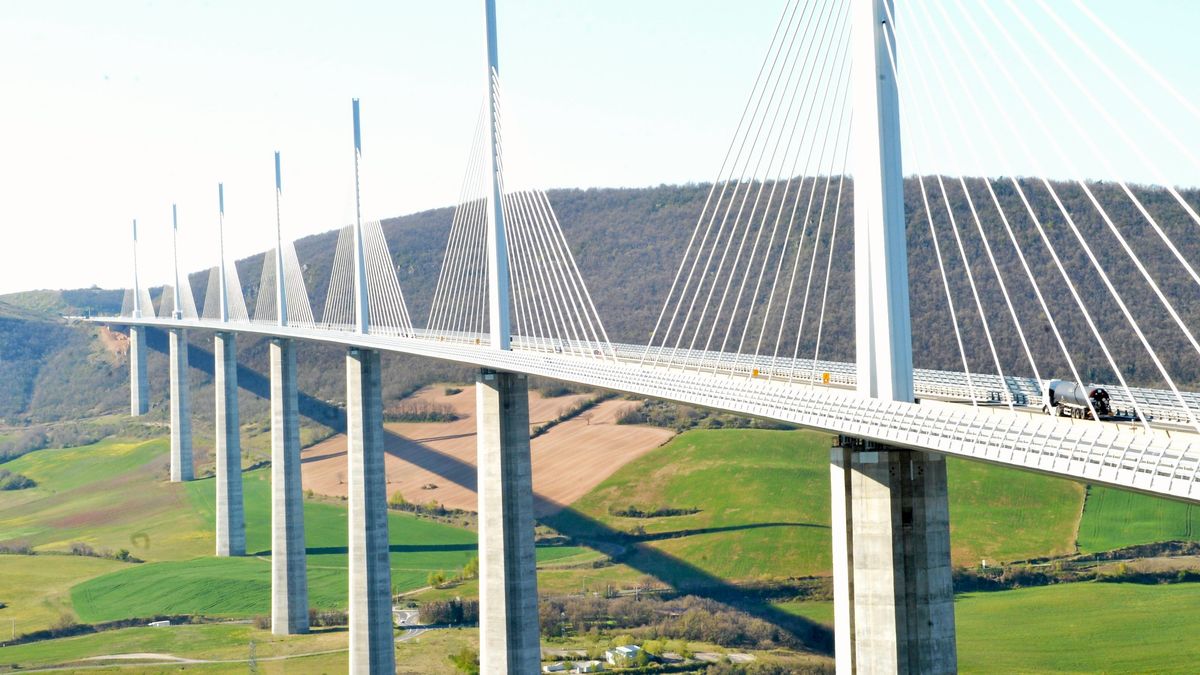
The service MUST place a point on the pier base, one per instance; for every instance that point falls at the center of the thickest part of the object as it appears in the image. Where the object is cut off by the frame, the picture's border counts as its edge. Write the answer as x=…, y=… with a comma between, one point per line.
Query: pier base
x=289, y=581
x=372, y=649
x=893, y=594
x=182, y=468
x=508, y=613
x=139, y=383
x=231, y=510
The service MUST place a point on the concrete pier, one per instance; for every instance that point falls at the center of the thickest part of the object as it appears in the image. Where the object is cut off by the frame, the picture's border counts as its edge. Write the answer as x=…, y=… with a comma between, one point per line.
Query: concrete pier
x=182, y=468
x=289, y=580
x=139, y=383
x=231, y=513
x=372, y=649
x=508, y=614
x=893, y=594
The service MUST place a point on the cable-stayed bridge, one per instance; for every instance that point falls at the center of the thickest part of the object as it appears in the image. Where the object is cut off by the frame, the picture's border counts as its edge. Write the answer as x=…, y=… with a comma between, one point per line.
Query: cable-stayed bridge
x=817, y=151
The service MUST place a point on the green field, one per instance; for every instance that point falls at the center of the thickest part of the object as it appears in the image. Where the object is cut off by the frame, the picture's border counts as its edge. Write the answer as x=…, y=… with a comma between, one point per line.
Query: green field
x=763, y=501
x=226, y=648
x=36, y=589
x=239, y=587
x=199, y=641
x=764, y=508
x=1069, y=628
x=111, y=495
x=1116, y=518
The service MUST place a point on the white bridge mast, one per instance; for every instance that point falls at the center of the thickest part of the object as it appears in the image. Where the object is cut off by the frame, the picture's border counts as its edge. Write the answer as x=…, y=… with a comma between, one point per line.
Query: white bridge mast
x=497, y=246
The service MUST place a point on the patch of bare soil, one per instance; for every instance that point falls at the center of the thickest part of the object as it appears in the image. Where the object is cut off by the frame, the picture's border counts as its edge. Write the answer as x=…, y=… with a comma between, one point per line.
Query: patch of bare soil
x=435, y=461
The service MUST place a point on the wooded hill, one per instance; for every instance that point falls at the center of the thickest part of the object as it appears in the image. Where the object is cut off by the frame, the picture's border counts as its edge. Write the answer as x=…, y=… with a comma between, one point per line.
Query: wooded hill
x=629, y=243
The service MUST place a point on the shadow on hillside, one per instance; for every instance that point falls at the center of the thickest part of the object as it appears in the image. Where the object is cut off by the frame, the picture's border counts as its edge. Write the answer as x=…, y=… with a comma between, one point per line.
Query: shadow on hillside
x=679, y=574
x=447, y=466
x=394, y=548
x=254, y=382
x=675, y=534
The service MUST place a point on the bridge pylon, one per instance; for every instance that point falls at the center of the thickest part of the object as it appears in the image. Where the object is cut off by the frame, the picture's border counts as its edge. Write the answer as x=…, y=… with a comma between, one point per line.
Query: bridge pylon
x=289, y=565
x=893, y=596
x=231, y=509
x=139, y=381
x=182, y=467
x=509, y=635
x=371, y=647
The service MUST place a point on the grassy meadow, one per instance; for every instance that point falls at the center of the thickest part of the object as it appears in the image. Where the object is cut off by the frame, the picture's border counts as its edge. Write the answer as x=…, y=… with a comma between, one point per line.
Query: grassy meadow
x=762, y=512
x=1116, y=518
x=763, y=500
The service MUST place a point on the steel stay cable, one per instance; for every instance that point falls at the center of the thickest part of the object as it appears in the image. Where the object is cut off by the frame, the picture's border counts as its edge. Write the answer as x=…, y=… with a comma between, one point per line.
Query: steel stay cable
x=1037, y=221
x=757, y=198
x=712, y=217
x=996, y=200
x=778, y=213
x=566, y=252
x=1088, y=249
x=791, y=225
x=456, y=232
x=549, y=244
x=746, y=173
x=729, y=151
x=837, y=205
x=817, y=237
x=790, y=288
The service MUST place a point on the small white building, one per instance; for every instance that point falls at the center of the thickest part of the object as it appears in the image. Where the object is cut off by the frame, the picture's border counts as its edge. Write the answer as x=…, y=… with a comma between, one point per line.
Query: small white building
x=588, y=667
x=555, y=668
x=623, y=656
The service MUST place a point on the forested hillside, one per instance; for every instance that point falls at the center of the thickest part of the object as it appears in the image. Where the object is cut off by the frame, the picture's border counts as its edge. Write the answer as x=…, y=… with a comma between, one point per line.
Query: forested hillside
x=629, y=243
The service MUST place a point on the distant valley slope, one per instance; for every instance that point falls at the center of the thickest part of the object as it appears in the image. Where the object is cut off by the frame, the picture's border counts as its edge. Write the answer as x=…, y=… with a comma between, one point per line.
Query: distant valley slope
x=628, y=244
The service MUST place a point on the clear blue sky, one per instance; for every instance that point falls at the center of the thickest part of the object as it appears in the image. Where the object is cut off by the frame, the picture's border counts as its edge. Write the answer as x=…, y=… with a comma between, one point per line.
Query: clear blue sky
x=114, y=110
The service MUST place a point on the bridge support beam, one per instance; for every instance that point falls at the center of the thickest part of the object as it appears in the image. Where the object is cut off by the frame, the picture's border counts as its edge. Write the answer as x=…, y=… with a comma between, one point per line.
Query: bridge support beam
x=231, y=513
x=372, y=649
x=289, y=580
x=893, y=595
x=508, y=614
x=139, y=382
x=182, y=468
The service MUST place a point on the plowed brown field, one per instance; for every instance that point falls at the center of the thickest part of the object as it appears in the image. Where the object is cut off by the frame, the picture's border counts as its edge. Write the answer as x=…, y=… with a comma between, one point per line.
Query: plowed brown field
x=436, y=460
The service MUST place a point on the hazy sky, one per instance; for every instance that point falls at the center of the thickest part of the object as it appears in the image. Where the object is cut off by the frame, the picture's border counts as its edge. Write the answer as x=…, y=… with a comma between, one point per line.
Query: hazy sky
x=114, y=110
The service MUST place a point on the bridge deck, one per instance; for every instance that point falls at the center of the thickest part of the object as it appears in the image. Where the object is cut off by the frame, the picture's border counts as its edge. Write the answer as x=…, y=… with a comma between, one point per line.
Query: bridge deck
x=1159, y=461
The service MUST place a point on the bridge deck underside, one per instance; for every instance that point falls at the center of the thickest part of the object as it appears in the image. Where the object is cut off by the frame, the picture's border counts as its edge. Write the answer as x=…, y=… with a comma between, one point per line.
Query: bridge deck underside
x=1162, y=462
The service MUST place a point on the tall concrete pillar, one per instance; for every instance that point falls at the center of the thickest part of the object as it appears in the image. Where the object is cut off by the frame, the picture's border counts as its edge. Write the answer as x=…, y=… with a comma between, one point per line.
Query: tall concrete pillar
x=372, y=649
x=231, y=514
x=289, y=581
x=181, y=409
x=508, y=614
x=139, y=384
x=893, y=593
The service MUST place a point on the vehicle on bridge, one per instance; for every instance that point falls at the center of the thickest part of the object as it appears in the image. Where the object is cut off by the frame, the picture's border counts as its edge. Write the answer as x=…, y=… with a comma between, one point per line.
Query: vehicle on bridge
x=1071, y=399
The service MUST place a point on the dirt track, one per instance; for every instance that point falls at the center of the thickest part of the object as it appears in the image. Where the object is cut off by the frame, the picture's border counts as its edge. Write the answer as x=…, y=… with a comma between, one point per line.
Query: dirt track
x=568, y=461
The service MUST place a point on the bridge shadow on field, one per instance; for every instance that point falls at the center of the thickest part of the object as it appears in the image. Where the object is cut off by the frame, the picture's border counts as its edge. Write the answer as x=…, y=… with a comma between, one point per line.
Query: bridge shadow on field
x=394, y=548
x=679, y=574
x=252, y=381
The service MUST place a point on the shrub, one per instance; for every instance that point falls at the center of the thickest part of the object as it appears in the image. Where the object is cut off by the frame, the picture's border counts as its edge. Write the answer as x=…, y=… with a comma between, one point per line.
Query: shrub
x=14, y=481
x=449, y=612
x=420, y=411
x=80, y=548
x=466, y=660
x=326, y=617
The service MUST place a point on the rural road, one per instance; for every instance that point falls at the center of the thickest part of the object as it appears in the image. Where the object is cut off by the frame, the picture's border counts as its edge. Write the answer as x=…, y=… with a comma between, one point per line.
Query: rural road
x=407, y=619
